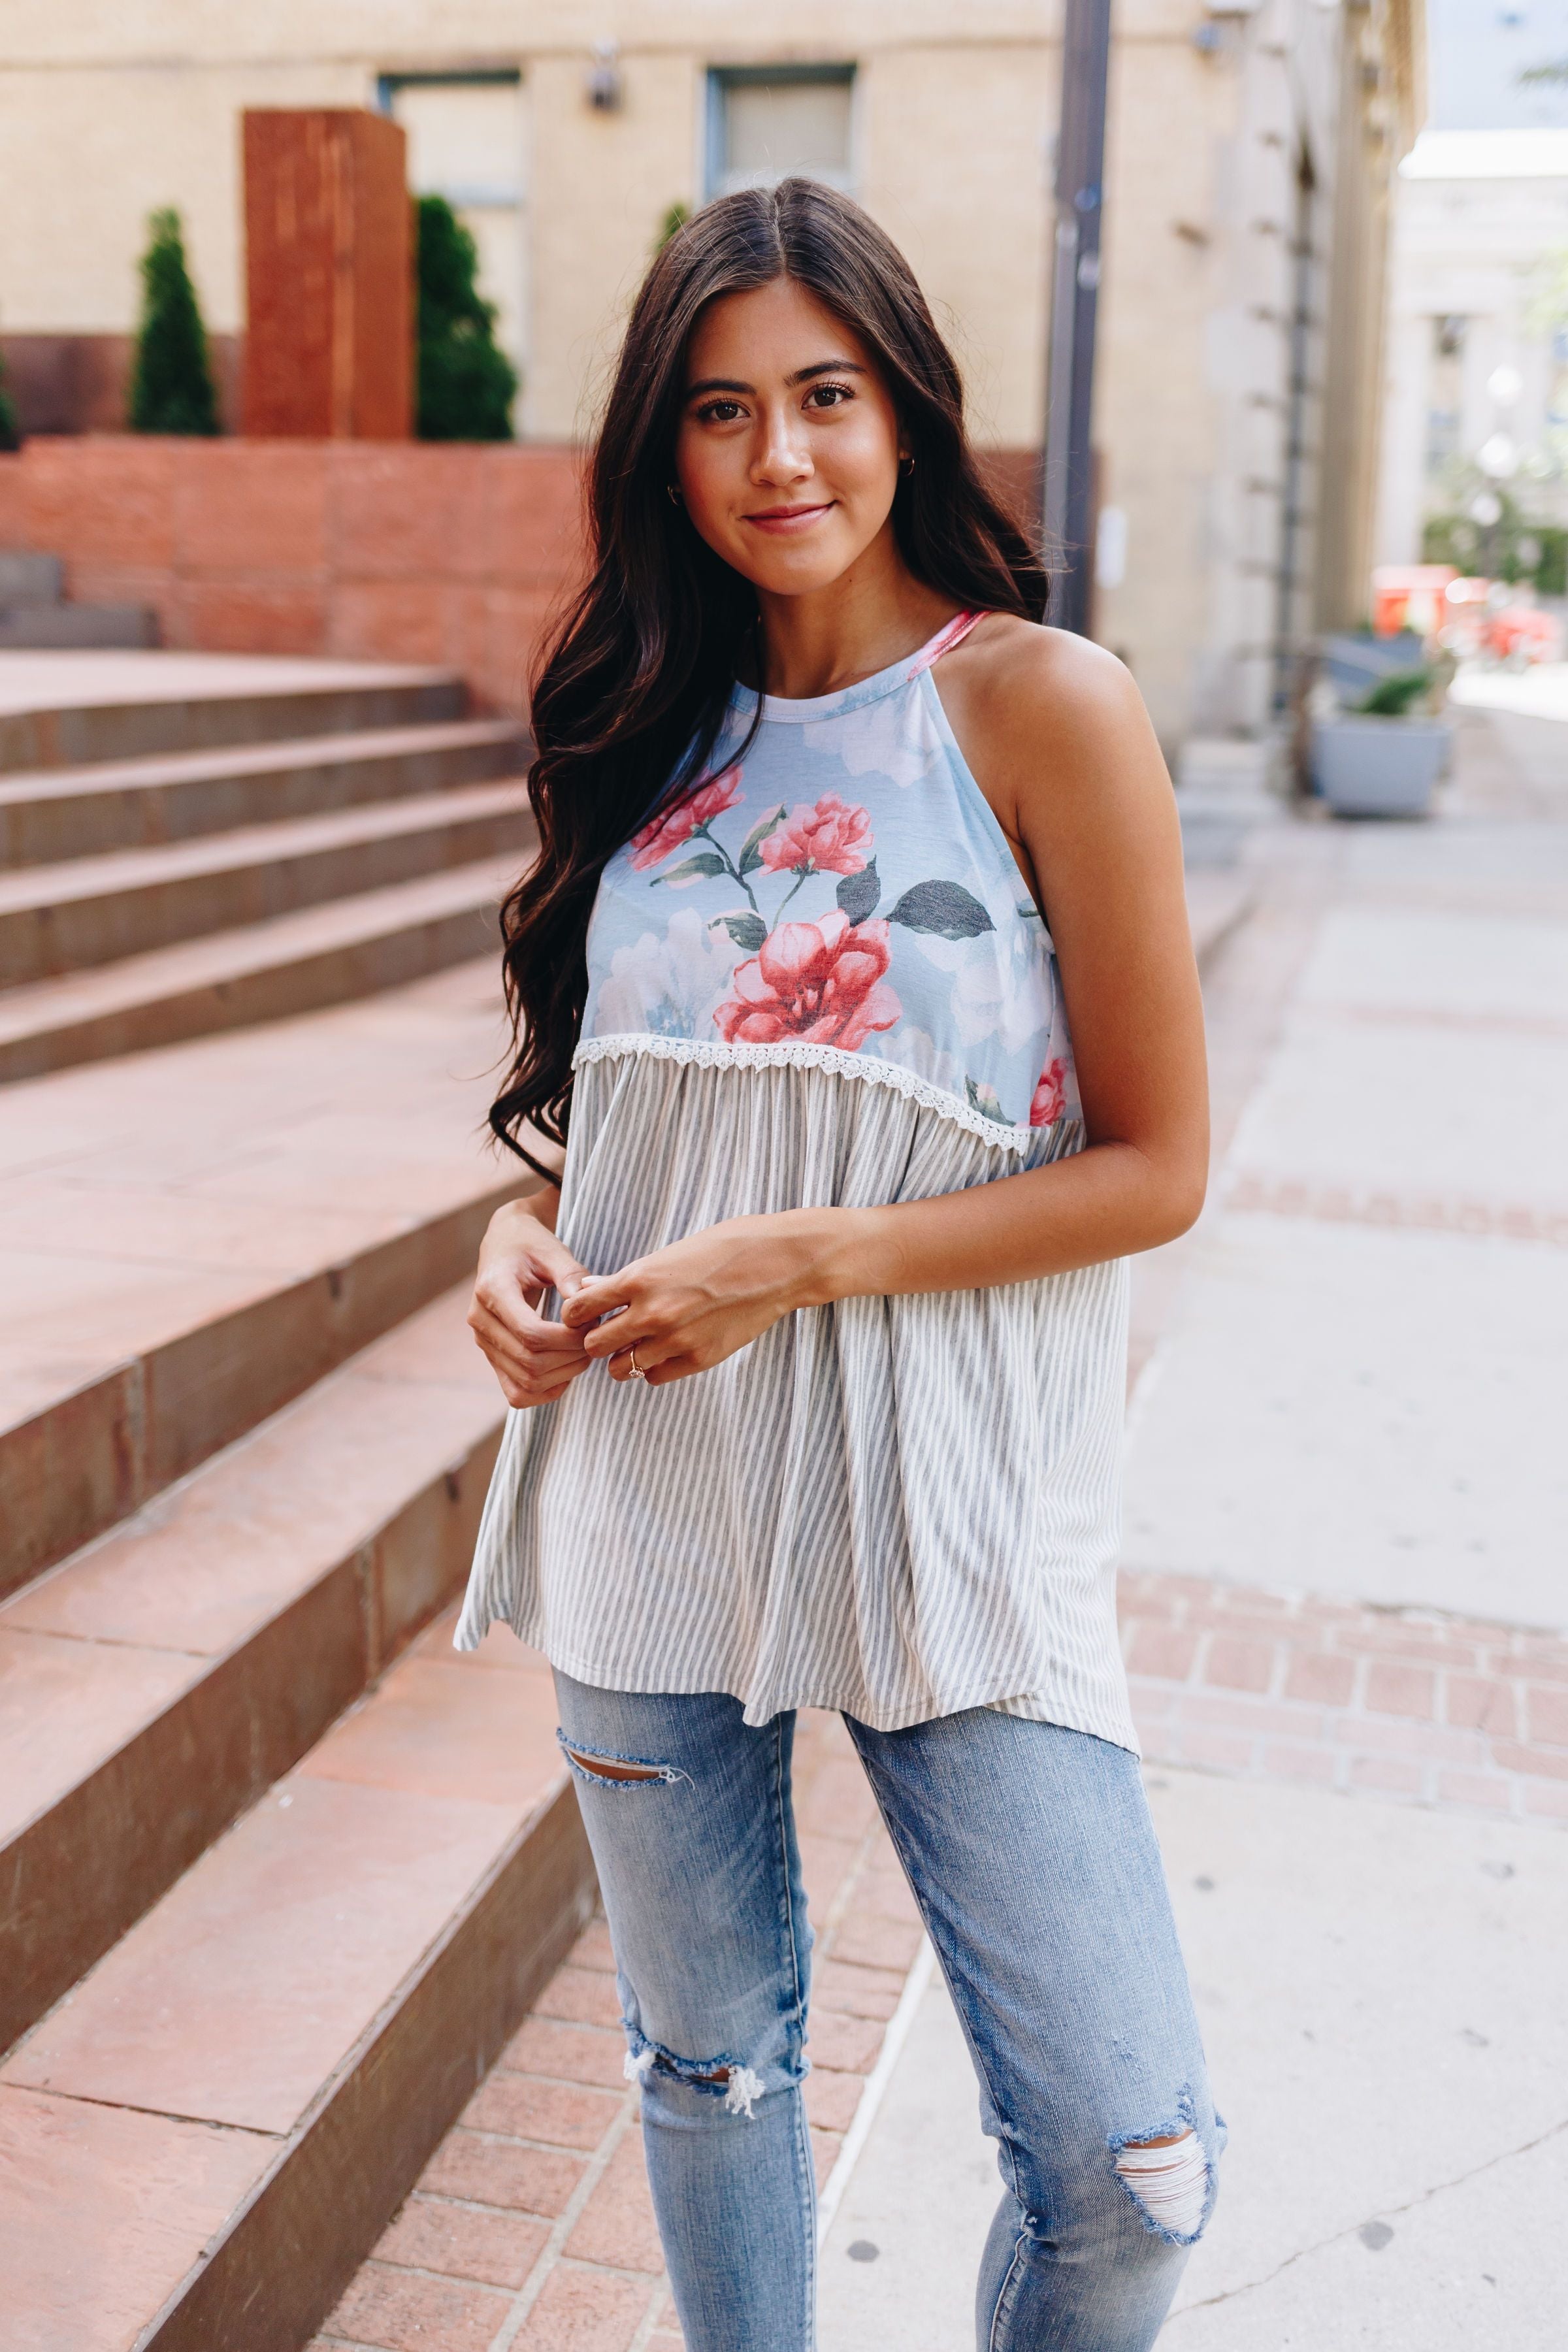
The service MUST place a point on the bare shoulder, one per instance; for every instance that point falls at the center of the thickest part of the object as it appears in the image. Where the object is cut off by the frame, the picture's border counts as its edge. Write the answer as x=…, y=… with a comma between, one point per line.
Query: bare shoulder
x=1040, y=714
x=1034, y=676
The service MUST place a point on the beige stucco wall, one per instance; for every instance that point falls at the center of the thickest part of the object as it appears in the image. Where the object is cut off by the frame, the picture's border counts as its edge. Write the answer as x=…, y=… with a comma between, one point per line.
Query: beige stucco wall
x=87, y=154
x=1154, y=411
x=954, y=164
x=108, y=108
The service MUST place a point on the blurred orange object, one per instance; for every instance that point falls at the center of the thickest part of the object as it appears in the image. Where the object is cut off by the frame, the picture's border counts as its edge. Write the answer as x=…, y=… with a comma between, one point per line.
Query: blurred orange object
x=1409, y=596
x=1520, y=633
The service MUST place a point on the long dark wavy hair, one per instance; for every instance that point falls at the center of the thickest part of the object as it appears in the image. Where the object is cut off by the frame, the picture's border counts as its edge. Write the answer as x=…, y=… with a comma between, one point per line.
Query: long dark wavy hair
x=637, y=675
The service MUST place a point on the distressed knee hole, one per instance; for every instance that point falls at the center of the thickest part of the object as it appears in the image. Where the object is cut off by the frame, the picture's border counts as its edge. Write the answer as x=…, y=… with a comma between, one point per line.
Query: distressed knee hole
x=604, y=1767
x=741, y=2086
x=622, y=1771
x=1168, y=2181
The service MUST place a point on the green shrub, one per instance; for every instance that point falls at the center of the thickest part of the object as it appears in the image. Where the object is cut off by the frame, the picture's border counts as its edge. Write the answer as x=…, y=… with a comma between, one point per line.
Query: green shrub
x=1514, y=548
x=1551, y=571
x=10, y=431
x=171, y=387
x=1393, y=696
x=465, y=381
x=674, y=219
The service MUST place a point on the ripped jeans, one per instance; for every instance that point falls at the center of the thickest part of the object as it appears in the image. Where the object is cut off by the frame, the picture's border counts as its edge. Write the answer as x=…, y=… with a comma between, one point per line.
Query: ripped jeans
x=1033, y=1858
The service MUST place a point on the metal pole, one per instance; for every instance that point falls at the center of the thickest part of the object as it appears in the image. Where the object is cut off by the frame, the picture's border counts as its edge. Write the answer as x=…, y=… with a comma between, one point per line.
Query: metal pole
x=1067, y=490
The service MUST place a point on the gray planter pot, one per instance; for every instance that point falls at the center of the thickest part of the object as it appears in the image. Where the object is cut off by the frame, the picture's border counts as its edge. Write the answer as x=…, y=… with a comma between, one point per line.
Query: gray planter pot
x=1351, y=663
x=1379, y=767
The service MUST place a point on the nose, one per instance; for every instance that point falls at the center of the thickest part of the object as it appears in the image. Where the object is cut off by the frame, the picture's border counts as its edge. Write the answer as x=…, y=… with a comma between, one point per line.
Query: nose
x=782, y=456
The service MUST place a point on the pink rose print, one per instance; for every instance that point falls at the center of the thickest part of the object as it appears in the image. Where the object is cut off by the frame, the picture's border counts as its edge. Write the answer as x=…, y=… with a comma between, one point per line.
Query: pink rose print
x=818, y=980
x=830, y=838
x=1050, y=1095
x=666, y=834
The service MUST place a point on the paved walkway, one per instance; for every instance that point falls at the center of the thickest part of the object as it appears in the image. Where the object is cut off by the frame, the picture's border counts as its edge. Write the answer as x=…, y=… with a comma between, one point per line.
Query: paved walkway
x=1380, y=1994
x=1342, y=1582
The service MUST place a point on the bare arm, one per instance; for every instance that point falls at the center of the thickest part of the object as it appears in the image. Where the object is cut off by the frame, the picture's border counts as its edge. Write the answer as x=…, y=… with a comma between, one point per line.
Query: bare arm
x=1056, y=730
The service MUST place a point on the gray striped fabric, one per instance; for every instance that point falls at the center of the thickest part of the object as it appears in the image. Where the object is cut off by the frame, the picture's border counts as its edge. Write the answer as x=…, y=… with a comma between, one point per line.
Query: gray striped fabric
x=898, y=1508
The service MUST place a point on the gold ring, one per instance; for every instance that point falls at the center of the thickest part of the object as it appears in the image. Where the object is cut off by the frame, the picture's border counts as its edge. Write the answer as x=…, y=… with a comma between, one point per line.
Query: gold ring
x=637, y=1372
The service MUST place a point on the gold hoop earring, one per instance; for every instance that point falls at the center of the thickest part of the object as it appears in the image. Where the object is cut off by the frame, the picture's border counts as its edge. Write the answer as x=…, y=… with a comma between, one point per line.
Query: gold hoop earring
x=672, y=492
x=906, y=464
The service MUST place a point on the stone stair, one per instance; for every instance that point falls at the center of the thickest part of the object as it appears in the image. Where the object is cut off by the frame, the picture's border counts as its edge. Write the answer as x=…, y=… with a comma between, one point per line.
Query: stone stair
x=283, y=1872
x=171, y=868
x=33, y=611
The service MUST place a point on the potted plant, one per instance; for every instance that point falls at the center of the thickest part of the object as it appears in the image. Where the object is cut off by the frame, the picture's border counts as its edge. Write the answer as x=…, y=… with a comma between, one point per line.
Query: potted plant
x=1384, y=756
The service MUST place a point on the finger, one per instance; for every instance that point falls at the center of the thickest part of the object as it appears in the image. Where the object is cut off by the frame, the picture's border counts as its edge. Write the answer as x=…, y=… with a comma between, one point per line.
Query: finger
x=598, y=1295
x=557, y=1265
x=613, y=1342
x=531, y=1383
x=624, y=1326
x=672, y=1367
x=523, y=1326
x=522, y=1397
x=510, y=1293
x=649, y=1353
x=528, y=1360
x=528, y=1357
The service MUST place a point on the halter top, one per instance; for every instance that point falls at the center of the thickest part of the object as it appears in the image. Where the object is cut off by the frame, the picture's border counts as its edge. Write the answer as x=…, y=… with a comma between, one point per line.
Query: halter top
x=820, y=978
x=846, y=900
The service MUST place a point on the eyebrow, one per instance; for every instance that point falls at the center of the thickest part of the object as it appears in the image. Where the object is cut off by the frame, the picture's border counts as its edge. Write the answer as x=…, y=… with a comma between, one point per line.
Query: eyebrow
x=801, y=375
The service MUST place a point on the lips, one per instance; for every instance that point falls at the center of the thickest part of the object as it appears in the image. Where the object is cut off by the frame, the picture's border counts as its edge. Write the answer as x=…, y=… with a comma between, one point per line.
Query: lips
x=788, y=518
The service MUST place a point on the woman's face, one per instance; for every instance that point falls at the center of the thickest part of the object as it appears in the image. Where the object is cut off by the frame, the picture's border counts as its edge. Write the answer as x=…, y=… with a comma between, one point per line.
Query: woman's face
x=787, y=456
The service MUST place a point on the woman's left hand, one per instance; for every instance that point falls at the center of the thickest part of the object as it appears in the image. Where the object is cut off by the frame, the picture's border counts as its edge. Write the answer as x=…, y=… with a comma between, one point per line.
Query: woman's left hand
x=688, y=1307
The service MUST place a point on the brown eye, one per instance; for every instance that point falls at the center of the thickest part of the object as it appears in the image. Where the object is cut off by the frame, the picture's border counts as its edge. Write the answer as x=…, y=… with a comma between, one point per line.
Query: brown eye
x=829, y=396
x=719, y=412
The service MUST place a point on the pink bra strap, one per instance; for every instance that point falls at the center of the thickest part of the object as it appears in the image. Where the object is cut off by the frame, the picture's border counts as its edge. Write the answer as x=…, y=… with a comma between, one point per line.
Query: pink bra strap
x=943, y=642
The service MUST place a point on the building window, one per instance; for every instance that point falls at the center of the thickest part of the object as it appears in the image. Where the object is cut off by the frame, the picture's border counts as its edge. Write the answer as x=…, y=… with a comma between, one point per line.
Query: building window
x=466, y=143
x=1446, y=401
x=767, y=122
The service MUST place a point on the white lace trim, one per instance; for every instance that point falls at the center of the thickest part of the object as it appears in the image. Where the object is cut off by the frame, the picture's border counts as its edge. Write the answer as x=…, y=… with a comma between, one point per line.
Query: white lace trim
x=713, y=1053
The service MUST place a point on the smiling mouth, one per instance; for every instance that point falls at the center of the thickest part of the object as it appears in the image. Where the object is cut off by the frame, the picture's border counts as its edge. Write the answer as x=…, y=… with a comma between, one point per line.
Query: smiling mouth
x=789, y=518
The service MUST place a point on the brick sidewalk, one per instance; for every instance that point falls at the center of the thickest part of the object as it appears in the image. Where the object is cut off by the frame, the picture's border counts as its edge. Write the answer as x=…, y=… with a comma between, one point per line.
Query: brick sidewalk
x=1405, y=1703
x=531, y=2226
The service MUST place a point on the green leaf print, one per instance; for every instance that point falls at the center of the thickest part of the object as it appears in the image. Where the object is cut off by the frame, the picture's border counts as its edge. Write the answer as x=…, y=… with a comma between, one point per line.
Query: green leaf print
x=748, y=932
x=751, y=847
x=945, y=908
x=694, y=869
x=857, y=893
x=985, y=1100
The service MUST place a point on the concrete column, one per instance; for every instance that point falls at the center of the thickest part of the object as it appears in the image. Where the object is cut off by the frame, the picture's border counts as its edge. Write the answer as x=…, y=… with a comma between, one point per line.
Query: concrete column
x=329, y=272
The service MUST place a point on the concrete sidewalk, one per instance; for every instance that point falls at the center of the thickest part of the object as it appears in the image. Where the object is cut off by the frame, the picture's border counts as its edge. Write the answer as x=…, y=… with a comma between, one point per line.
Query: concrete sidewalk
x=1380, y=1998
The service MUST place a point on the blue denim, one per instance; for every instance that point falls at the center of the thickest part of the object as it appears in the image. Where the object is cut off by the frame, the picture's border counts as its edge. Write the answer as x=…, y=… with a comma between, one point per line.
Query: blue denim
x=1033, y=1858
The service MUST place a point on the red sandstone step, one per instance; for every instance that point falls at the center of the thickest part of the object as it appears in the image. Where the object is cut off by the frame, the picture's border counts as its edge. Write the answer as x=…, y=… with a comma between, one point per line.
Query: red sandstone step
x=190, y=1238
x=126, y=706
x=59, y=919
x=263, y=971
x=216, y=1353
x=153, y=1685
x=52, y=815
x=202, y=2141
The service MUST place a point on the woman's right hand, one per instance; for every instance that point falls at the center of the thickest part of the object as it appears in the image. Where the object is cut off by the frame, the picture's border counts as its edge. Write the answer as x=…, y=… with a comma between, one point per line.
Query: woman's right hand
x=521, y=1259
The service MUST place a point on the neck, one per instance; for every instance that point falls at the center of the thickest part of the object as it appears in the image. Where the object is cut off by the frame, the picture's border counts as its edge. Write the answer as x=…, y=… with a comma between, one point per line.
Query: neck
x=870, y=616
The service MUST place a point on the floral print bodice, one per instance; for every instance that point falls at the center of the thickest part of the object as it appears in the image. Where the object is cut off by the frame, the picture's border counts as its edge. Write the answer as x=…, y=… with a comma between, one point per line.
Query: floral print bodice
x=841, y=895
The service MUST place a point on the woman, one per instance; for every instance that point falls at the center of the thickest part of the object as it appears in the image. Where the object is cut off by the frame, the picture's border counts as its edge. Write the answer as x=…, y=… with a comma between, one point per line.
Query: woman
x=817, y=1348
